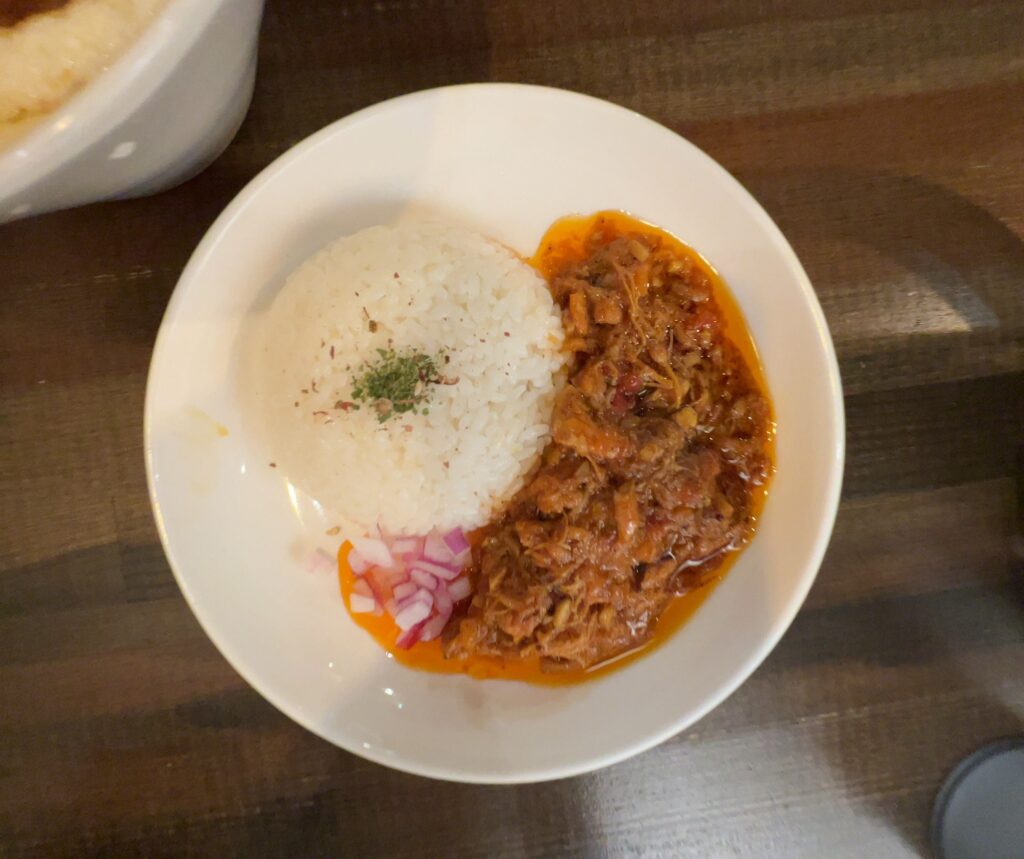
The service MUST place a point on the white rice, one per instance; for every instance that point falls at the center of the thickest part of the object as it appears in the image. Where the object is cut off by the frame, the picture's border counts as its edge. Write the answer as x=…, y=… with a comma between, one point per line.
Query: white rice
x=47, y=57
x=456, y=291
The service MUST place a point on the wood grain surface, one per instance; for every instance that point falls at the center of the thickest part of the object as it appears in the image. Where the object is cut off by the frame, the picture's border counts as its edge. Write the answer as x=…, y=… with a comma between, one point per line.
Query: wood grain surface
x=887, y=140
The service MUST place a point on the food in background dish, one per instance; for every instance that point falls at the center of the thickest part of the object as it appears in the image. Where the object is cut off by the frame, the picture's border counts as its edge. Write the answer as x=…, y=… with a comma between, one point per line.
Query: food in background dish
x=407, y=376
x=49, y=49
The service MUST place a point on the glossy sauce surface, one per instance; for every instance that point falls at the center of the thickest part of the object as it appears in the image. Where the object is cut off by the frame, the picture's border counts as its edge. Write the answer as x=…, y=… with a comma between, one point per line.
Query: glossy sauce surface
x=564, y=243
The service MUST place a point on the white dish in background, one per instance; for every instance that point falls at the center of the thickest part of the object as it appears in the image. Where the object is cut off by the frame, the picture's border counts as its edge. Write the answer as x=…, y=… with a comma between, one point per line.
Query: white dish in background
x=161, y=113
x=507, y=160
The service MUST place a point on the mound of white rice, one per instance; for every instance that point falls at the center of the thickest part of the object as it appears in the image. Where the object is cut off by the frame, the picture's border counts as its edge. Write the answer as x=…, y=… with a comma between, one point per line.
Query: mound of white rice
x=47, y=57
x=432, y=288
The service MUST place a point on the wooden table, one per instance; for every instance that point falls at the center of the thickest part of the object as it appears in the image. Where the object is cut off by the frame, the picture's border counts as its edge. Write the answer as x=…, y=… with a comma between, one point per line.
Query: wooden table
x=888, y=142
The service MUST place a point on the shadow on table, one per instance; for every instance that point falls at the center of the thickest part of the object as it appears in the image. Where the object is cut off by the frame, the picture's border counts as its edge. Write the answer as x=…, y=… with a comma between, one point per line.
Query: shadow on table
x=971, y=260
x=960, y=250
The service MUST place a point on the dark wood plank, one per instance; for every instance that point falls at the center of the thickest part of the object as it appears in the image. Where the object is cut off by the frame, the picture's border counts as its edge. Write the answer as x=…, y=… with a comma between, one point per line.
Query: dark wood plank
x=888, y=142
x=934, y=435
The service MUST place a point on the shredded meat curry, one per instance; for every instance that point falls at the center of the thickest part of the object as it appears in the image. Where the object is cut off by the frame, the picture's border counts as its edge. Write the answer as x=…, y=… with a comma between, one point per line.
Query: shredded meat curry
x=660, y=447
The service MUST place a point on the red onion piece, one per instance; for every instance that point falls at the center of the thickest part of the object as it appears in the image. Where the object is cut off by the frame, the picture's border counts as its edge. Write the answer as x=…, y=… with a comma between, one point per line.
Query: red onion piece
x=357, y=563
x=400, y=592
x=373, y=551
x=407, y=547
x=456, y=542
x=435, y=549
x=413, y=613
x=422, y=595
x=459, y=589
x=434, y=627
x=408, y=638
x=442, y=601
x=358, y=604
x=378, y=583
x=423, y=579
x=439, y=570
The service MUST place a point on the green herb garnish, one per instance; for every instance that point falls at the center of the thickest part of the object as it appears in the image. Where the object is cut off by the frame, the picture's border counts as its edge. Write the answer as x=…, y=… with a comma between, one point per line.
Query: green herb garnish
x=397, y=383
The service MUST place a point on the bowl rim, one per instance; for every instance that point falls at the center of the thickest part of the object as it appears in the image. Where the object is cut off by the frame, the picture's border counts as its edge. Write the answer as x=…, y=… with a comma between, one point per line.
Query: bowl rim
x=107, y=100
x=782, y=621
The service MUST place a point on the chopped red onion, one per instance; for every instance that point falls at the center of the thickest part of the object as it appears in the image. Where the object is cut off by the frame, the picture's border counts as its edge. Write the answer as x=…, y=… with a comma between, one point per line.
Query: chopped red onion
x=358, y=604
x=378, y=583
x=407, y=547
x=423, y=579
x=415, y=580
x=374, y=551
x=413, y=613
x=408, y=638
x=357, y=563
x=435, y=549
x=459, y=589
x=433, y=627
x=439, y=570
x=456, y=542
x=400, y=592
x=421, y=595
x=442, y=601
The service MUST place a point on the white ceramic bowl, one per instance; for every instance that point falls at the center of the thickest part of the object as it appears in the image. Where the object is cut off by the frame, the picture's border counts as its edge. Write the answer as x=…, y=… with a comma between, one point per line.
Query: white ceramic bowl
x=508, y=160
x=160, y=114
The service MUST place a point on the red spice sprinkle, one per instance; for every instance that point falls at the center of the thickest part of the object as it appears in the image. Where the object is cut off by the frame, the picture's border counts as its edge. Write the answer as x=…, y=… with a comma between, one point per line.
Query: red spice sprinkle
x=396, y=275
x=305, y=390
x=273, y=465
x=407, y=428
x=312, y=384
x=507, y=334
x=316, y=413
x=445, y=463
x=296, y=404
x=332, y=352
x=344, y=406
